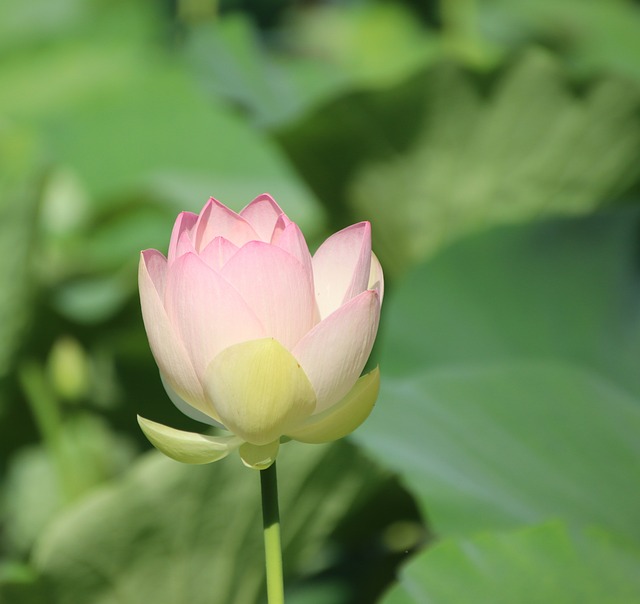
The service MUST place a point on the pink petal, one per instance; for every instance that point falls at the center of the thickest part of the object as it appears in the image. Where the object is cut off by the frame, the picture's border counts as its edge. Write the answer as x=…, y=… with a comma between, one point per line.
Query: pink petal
x=208, y=313
x=341, y=267
x=277, y=287
x=376, y=277
x=262, y=214
x=335, y=351
x=282, y=223
x=218, y=252
x=183, y=225
x=291, y=240
x=168, y=351
x=217, y=220
x=183, y=246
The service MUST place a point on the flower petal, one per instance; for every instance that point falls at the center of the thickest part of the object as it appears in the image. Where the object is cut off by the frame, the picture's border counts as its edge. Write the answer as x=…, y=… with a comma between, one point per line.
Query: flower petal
x=217, y=220
x=262, y=214
x=188, y=409
x=259, y=390
x=218, y=252
x=208, y=313
x=376, y=277
x=183, y=224
x=334, y=352
x=341, y=267
x=292, y=241
x=276, y=287
x=259, y=457
x=343, y=417
x=169, y=352
x=187, y=447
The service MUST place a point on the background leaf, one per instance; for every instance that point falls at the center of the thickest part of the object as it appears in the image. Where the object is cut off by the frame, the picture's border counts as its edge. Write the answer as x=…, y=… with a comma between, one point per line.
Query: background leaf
x=533, y=565
x=440, y=156
x=510, y=404
x=175, y=533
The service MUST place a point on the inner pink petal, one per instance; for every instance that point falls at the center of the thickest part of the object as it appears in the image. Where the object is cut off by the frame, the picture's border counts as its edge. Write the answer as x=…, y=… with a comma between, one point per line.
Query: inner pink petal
x=262, y=214
x=183, y=246
x=184, y=224
x=277, y=287
x=292, y=241
x=218, y=252
x=207, y=312
x=156, y=266
x=217, y=220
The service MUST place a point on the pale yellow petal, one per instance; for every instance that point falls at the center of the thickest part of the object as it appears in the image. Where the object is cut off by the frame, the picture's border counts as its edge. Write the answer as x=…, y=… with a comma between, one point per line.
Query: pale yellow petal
x=187, y=447
x=259, y=390
x=259, y=457
x=343, y=417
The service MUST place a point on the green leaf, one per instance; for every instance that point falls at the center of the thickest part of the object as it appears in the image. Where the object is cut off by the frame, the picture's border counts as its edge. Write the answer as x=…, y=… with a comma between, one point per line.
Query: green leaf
x=531, y=148
x=446, y=153
x=36, y=488
x=530, y=566
x=19, y=584
x=126, y=118
x=592, y=36
x=175, y=533
x=516, y=395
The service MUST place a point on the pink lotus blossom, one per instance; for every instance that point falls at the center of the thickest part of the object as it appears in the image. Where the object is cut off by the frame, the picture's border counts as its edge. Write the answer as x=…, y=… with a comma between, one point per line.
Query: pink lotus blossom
x=253, y=334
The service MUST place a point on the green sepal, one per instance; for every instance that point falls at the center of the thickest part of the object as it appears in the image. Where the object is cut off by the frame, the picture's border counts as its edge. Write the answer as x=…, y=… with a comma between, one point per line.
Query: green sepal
x=343, y=417
x=188, y=447
x=259, y=457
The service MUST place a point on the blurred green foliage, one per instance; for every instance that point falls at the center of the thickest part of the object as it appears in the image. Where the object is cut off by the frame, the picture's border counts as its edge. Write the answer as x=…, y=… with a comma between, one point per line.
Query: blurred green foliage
x=494, y=146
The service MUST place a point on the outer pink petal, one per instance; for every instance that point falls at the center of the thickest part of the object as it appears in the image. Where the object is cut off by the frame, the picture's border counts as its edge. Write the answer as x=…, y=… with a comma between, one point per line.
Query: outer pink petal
x=334, y=352
x=277, y=287
x=341, y=267
x=262, y=214
x=168, y=351
x=217, y=220
x=183, y=225
x=218, y=252
x=208, y=313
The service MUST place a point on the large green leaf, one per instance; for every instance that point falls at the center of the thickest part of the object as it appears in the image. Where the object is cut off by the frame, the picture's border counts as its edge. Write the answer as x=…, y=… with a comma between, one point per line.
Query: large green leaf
x=174, y=533
x=446, y=153
x=593, y=36
x=530, y=566
x=126, y=117
x=369, y=45
x=516, y=395
x=531, y=147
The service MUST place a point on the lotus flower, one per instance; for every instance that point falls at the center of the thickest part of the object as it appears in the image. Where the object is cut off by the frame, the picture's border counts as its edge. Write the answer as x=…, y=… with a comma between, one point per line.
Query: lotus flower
x=254, y=335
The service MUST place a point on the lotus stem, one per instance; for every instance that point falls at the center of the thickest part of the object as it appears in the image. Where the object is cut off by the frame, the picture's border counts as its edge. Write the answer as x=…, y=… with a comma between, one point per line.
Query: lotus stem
x=271, y=524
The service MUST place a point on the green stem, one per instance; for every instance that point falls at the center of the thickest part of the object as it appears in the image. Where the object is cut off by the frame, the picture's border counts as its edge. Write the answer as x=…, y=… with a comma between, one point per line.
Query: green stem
x=271, y=524
x=46, y=413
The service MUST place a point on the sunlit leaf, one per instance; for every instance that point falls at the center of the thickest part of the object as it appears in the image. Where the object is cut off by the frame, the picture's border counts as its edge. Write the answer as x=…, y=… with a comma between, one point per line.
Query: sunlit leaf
x=176, y=533
x=446, y=153
x=516, y=395
x=533, y=565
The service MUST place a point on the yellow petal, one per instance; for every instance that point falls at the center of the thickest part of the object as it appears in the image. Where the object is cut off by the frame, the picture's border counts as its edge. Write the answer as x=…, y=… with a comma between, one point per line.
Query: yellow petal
x=259, y=390
x=343, y=417
x=259, y=457
x=187, y=447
